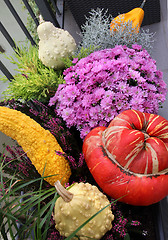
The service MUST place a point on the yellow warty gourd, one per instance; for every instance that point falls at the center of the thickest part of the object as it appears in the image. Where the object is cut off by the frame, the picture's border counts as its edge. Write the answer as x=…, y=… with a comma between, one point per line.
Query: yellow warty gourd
x=39, y=144
x=76, y=205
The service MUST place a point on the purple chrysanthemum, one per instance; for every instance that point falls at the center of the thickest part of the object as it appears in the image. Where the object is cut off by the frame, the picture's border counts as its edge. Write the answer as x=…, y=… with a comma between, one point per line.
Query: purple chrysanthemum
x=107, y=82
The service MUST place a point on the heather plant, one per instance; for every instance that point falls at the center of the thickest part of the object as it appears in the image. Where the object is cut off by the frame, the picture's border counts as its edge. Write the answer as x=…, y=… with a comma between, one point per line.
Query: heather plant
x=17, y=161
x=107, y=82
x=68, y=139
x=17, y=164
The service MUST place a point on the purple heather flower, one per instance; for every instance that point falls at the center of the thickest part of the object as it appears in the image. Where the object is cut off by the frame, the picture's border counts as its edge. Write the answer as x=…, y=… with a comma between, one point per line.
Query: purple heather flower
x=135, y=223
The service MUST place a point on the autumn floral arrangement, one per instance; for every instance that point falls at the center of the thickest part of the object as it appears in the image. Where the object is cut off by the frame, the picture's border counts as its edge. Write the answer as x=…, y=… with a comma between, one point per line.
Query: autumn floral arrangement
x=89, y=140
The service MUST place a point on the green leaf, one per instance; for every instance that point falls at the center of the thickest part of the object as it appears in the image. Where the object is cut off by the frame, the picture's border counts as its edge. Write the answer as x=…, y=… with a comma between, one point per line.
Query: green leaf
x=2, y=227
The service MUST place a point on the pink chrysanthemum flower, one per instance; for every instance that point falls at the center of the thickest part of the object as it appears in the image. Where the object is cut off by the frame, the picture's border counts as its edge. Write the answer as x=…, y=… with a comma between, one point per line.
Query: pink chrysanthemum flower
x=107, y=82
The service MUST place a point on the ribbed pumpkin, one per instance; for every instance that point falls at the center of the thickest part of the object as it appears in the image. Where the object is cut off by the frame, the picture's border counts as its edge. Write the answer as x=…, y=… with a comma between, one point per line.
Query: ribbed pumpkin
x=39, y=144
x=135, y=16
x=129, y=158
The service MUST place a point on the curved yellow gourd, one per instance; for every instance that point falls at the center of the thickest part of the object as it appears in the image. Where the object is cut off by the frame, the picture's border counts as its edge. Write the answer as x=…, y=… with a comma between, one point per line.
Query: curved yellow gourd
x=39, y=144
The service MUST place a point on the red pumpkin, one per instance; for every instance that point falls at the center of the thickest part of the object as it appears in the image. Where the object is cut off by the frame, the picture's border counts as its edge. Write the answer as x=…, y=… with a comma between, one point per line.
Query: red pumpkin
x=129, y=158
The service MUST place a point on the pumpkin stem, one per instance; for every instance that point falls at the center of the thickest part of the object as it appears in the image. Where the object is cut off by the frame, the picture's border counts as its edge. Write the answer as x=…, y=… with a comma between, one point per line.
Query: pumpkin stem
x=143, y=3
x=146, y=136
x=66, y=195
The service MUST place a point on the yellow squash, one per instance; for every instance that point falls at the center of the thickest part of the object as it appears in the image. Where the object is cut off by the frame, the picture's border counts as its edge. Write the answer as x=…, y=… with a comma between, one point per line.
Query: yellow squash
x=135, y=16
x=39, y=144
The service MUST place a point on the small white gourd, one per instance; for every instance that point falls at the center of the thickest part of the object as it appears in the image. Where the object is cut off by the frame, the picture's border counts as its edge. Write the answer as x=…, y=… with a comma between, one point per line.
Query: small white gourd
x=78, y=204
x=54, y=45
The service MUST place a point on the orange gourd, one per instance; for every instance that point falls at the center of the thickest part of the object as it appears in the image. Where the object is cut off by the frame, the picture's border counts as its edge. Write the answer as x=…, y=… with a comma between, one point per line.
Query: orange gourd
x=136, y=16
